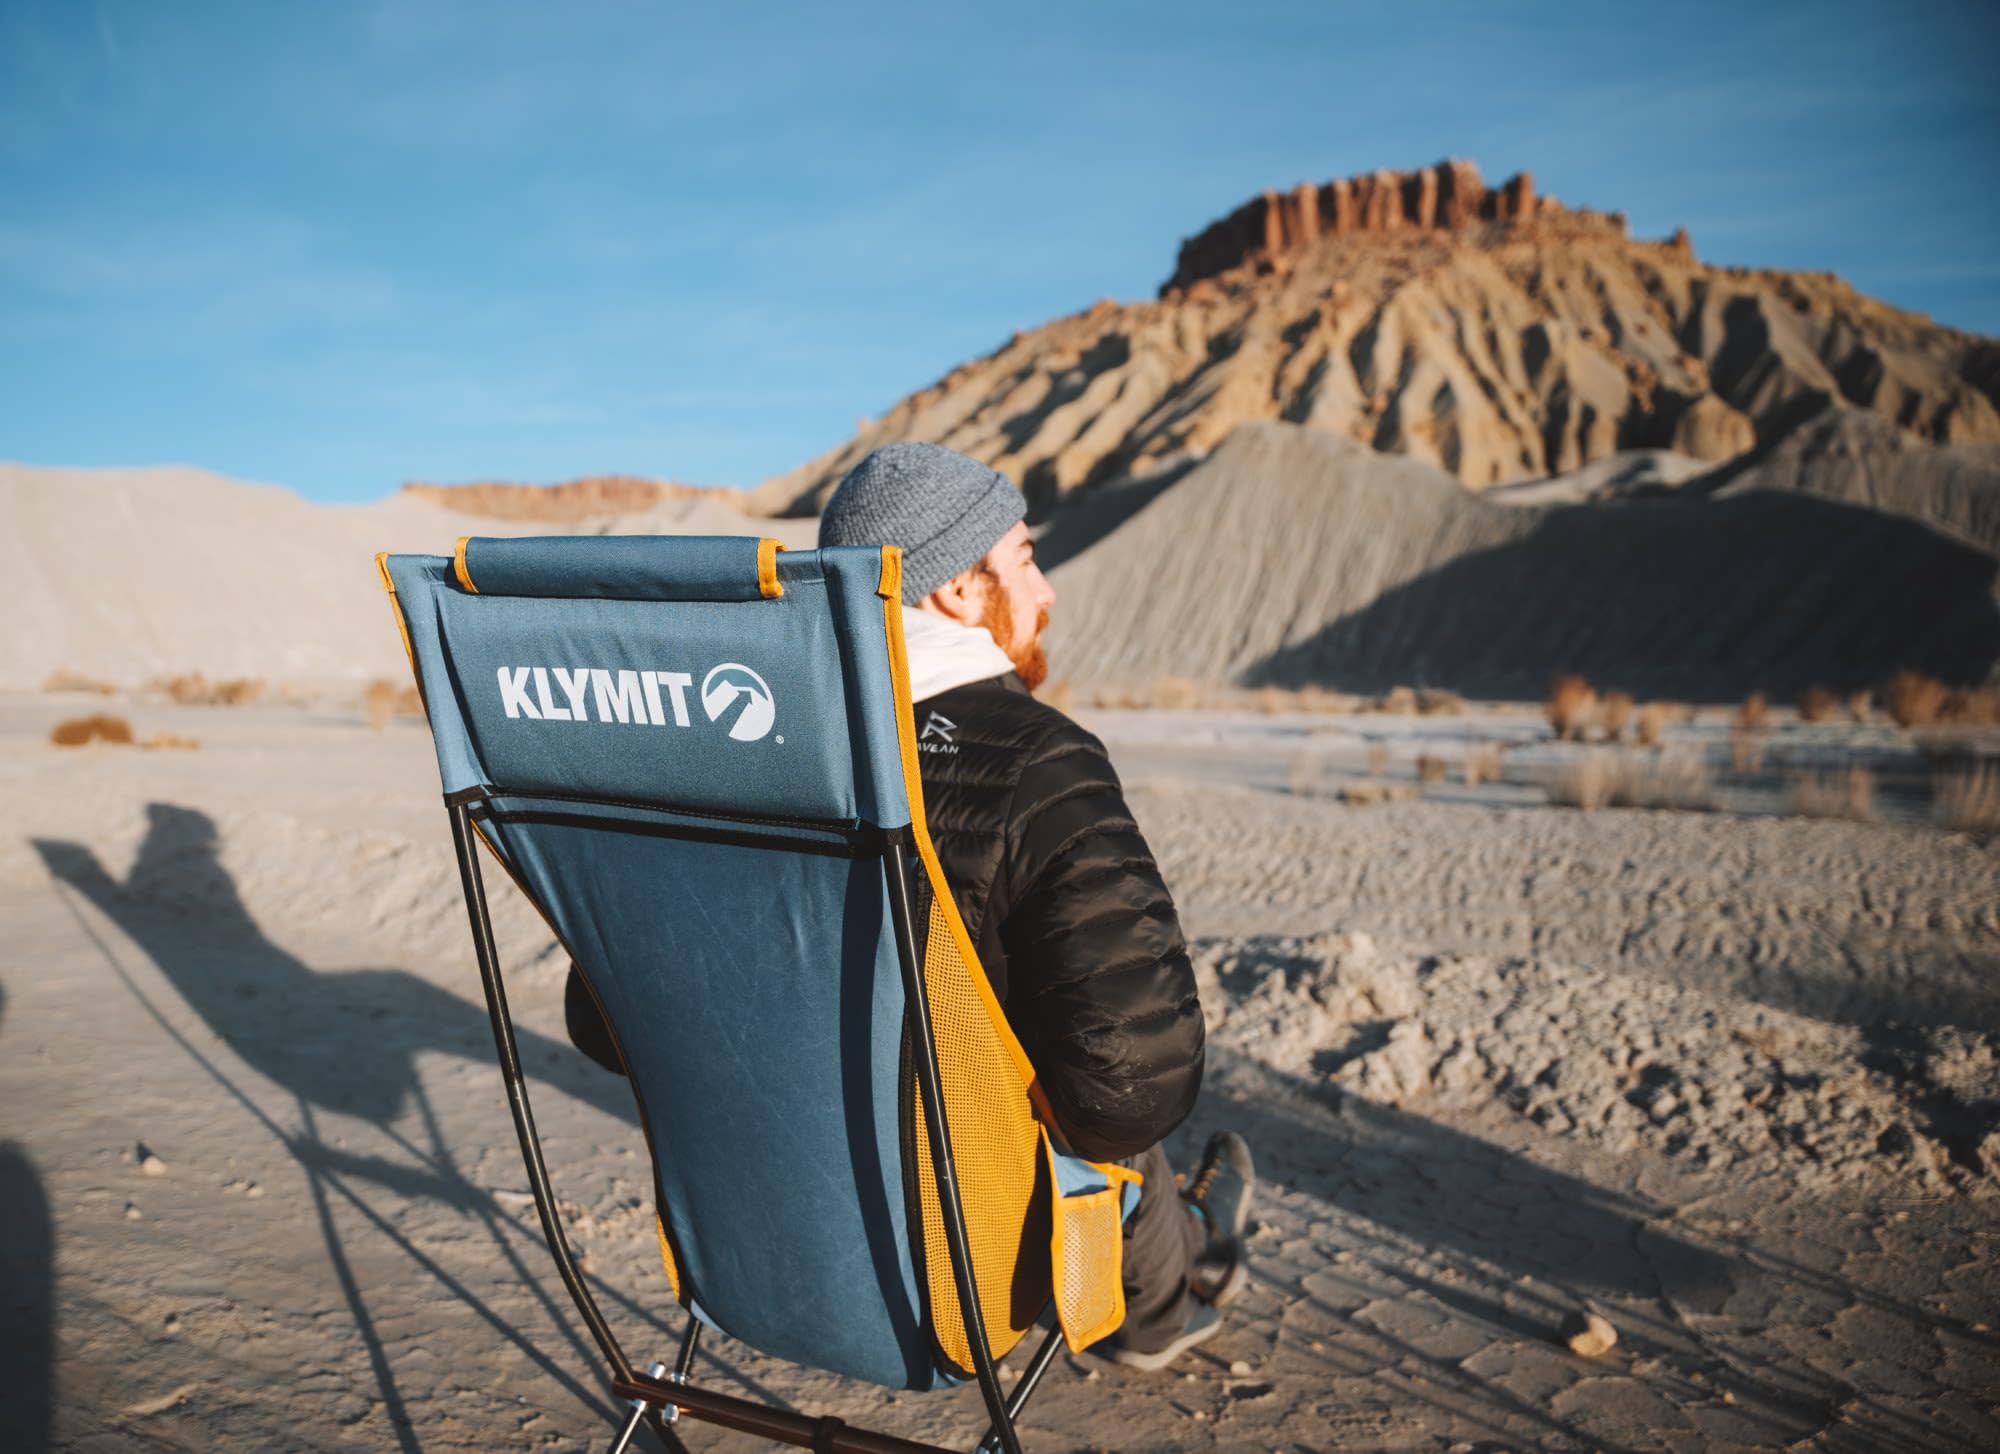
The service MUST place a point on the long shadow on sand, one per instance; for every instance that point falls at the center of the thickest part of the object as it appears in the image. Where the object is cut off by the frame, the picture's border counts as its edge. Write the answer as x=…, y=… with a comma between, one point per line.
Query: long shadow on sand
x=27, y=1301
x=1525, y=1245
x=299, y=1028
x=1701, y=599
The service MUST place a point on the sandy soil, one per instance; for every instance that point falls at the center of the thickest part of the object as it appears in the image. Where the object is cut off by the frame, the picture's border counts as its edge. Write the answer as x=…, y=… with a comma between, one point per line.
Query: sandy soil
x=1727, y=1079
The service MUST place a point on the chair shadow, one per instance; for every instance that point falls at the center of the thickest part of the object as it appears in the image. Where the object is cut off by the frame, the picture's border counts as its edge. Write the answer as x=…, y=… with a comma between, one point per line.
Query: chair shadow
x=27, y=1301
x=299, y=1028
x=1420, y=1182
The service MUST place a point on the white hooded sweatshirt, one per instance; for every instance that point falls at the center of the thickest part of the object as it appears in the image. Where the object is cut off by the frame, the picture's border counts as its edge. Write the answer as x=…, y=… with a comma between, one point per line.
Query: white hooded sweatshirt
x=944, y=654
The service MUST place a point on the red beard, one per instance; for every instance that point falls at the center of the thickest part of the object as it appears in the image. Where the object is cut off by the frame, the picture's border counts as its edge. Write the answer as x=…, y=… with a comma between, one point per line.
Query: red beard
x=1031, y=663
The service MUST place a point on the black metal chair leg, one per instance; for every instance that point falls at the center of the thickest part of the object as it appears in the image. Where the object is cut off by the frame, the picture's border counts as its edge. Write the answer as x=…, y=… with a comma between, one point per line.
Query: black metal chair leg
x=636, y=1416
x=1024, y=1387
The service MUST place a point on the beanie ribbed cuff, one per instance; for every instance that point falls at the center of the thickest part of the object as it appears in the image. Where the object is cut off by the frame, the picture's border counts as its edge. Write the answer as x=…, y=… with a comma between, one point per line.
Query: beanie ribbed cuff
x=945, y=510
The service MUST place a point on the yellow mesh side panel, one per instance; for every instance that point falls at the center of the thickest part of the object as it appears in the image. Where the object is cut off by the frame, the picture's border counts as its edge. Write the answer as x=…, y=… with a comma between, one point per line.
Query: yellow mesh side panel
x=667, y=1259
x=995, y=1141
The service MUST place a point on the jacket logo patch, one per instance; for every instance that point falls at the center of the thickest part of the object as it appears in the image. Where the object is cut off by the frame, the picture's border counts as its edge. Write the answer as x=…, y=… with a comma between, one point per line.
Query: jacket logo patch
x=936, y=736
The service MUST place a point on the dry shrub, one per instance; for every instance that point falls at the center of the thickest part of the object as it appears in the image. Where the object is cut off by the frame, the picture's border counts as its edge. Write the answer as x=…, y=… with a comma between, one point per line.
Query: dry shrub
x=1755, y=713
x=1431, y=769
x=80, y=730
x=1915, y=700
x=1746, y=749
x=192, y=689
x=1401, y=700
x=1271, y=700
x=1618, y=780
x=1846, y=793
x=1058, y=694
x=170, y=741
x=1965, y=796
x=1176, y=692
x=1482, y=764
x=1437, y=702
x=1652, y=724
x=384, y=699
x=1584, y=783
x=1971, y=707
x=1378, y=759
x=1303, y=776
x=1367, y=792
x=1819, y=705
x=1572, y=703
x=62, y=679
x=1860, y=704
x=1614, y=712
x=1320, y=699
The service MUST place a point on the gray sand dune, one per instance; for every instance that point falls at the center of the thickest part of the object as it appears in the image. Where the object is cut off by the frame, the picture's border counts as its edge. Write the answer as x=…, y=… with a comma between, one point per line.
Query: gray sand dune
x=1847, y=455
x=1292, y=556
x=128, y=574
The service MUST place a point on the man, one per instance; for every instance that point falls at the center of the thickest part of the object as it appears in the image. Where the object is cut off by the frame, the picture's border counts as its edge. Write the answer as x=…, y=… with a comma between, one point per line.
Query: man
x=1055, y=883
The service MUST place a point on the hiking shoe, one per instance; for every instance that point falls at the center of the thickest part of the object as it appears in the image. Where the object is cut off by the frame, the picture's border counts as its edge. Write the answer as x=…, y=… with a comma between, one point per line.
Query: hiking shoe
x=1204, y=1322
x=1220, y=1195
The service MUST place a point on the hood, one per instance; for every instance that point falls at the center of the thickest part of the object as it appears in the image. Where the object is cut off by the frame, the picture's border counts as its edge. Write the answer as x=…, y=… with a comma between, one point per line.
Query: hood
x=944, y=654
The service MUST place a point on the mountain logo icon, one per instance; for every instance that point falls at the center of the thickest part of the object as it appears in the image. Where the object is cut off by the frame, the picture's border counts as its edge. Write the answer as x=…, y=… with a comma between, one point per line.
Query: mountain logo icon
x=733, y=687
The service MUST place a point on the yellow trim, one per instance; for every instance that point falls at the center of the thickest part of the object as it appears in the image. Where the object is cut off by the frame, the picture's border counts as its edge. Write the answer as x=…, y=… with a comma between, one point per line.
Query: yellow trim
x=767, y=567
x=396, y=605
x=458, y=565
x=950, y=1330
x=913, y=788
x=667, y=1259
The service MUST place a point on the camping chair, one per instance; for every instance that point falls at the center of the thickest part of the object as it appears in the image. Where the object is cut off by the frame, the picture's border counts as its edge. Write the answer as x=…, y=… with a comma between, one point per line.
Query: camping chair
x=695, y=757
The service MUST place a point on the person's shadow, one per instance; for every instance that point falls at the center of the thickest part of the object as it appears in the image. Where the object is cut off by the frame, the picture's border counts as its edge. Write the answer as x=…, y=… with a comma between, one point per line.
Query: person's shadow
x=345, y=1041
x=27, y=1301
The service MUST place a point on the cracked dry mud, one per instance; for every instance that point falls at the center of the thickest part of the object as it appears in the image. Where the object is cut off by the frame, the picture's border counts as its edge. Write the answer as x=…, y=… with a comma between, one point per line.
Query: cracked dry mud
x=1728, y=1083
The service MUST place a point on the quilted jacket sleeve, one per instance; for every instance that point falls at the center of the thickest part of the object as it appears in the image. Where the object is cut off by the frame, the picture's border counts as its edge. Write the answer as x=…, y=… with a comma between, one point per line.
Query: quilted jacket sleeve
x=1101, y=992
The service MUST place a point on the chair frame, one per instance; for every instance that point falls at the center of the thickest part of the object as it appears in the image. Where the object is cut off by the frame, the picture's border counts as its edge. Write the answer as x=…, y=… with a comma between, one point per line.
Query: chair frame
x=660, y=1399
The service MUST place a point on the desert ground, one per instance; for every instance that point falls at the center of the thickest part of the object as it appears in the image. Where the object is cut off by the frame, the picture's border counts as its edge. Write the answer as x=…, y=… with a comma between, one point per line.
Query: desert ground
x=1726, y=1079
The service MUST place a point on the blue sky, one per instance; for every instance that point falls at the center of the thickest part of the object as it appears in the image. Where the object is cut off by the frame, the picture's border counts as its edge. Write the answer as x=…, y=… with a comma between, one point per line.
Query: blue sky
x=343, y=245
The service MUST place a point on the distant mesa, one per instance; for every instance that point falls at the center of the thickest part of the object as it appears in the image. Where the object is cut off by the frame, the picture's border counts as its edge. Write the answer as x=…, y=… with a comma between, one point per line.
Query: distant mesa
x=592, y=497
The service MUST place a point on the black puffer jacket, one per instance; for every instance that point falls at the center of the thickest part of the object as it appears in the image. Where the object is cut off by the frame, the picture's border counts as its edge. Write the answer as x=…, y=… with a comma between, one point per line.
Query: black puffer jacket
x=1067, y=910
x=1066, y=907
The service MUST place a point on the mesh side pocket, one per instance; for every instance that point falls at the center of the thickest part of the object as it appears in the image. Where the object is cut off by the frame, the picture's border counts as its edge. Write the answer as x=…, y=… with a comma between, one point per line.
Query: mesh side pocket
x=1087, y=1245
x=1087, y=1251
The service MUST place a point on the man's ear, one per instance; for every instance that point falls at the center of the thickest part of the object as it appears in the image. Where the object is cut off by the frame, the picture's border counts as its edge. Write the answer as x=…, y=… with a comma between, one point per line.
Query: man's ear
x=961, y=599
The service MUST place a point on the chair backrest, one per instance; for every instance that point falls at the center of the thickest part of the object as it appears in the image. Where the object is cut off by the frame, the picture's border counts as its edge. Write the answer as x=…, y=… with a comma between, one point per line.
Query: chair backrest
x=695, y=756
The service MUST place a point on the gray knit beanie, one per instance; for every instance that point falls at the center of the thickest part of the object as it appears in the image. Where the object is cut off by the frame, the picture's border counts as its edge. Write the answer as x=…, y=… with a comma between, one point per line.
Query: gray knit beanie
x=944, y=509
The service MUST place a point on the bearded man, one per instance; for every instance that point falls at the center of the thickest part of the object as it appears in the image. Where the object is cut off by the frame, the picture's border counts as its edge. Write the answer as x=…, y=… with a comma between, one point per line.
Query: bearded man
x=1058, y=890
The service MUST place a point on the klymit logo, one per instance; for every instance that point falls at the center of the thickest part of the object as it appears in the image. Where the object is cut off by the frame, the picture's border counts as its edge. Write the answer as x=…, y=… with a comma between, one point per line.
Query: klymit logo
x=642, y=698
x=734, y=686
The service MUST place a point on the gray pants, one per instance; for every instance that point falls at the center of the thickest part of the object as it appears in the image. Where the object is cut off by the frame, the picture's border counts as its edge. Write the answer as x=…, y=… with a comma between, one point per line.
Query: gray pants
x=1162, y=1239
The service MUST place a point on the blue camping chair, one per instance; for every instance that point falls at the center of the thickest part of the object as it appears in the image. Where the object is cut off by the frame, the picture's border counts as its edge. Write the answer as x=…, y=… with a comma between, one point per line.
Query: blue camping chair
x=695, y=757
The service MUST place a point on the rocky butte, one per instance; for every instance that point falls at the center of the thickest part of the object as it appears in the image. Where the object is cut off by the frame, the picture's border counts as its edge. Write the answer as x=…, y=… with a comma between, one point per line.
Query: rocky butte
x=1492, y=332
x=1446, y=196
